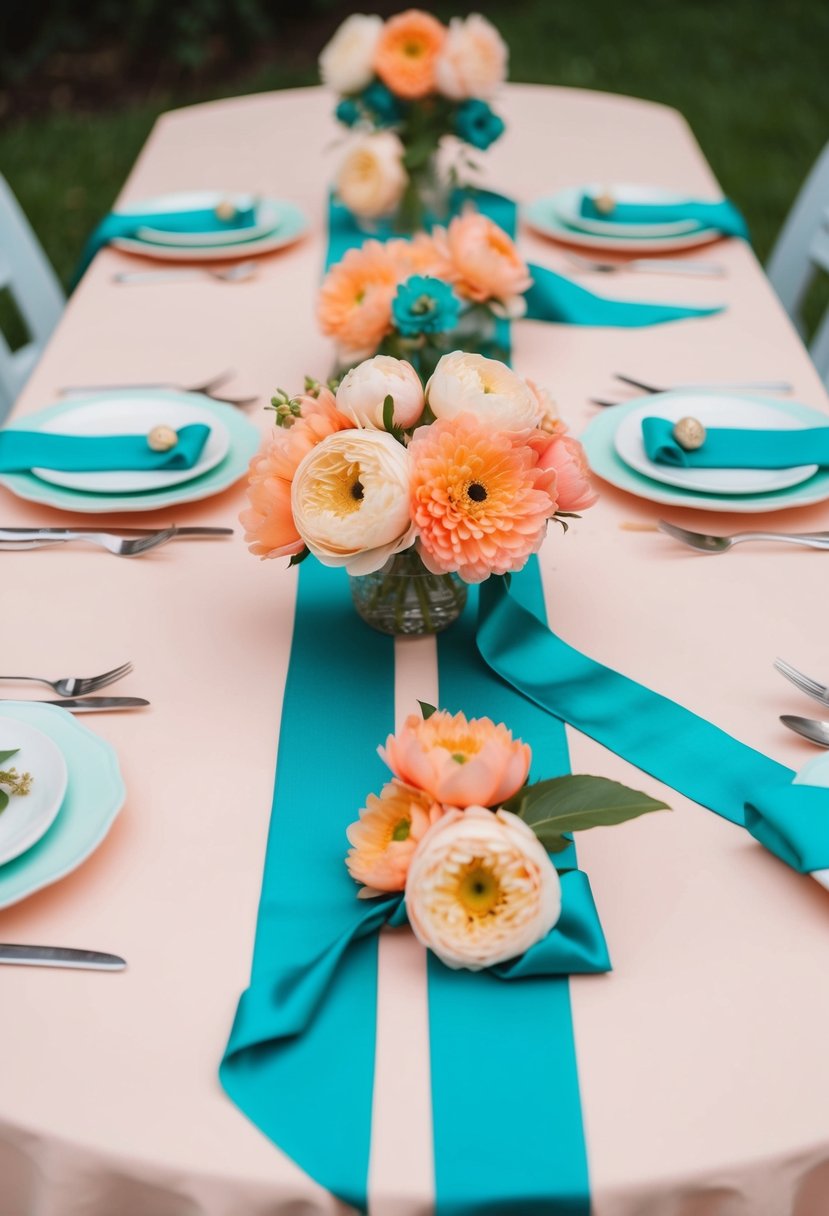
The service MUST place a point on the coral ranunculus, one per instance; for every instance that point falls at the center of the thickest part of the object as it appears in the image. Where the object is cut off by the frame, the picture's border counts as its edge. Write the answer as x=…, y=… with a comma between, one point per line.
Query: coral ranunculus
x=354, y=304
x=383, y=840
x=485, y=262
x=407, y=53
x=459, y=762
x=480, y=500
x=565, y=455
x=481, y=889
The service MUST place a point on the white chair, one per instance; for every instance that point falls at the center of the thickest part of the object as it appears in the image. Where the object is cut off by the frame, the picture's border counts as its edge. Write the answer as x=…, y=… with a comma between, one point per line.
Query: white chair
x=801, y=251
x=27, y=275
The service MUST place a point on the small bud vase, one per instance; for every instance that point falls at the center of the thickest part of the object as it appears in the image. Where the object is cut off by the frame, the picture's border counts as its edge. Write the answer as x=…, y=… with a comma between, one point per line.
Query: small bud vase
x=405, y=599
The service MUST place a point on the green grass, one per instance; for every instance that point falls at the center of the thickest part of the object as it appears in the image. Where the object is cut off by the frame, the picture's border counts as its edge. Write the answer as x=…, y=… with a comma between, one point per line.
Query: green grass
x=750, y=78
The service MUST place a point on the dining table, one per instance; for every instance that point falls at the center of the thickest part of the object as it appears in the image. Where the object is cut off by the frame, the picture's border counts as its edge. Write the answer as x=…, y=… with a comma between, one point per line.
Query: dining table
x=702, y=1057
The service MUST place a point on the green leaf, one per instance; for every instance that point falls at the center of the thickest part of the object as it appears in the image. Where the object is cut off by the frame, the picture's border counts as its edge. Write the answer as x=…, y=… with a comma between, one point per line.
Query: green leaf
x=396, y=432
x=574, y=804
x=427, y=710
x=296, y=558
x=4, y=756
x=4, y=801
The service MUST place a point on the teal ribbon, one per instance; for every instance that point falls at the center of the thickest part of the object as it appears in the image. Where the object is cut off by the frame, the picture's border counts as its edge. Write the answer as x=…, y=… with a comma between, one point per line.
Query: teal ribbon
x=792, y=821
x=723, y=216
x=737, y=448
x=21, y=451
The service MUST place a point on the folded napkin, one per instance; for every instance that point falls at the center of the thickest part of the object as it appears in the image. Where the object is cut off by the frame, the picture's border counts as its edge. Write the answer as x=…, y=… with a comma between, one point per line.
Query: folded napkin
x=793, y=823
x=553, y=297
x=21, y=451
x=723, y=216
x=737, y=448
x=129, y=223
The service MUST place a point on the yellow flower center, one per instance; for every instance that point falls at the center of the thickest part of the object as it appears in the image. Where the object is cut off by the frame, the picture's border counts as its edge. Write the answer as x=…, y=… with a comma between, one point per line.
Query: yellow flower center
x=478, y=891
x=460, y=747
x=337, y=487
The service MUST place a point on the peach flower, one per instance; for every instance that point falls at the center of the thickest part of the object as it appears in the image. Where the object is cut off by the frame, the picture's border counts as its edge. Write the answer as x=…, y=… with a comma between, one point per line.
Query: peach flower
x=363, y=391
x=268, y=521
x=481, y=889
x=479, y=499
x=407, y=52
x=384, y=838
x=354, y=303
x=485, y=264
x=458, y=761
x=550, y=420
x=473, y=62
x=565, y=455
x=347, y=61
x=371, y=179
x=468, y=383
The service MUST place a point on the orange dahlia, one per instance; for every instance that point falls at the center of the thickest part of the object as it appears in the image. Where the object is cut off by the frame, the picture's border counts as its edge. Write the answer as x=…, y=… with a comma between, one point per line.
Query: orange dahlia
x=354, y=304
x=480, y=501
x=407, y=52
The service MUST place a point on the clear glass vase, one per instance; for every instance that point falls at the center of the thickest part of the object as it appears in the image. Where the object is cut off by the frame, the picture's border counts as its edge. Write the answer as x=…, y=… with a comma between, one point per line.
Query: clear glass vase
x=404, y=598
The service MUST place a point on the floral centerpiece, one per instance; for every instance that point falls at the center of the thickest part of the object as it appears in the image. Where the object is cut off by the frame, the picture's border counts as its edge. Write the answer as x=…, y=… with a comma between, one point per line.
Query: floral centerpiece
x=420, y=298
x=405, y=84
x=463, y=835
x=415, y=490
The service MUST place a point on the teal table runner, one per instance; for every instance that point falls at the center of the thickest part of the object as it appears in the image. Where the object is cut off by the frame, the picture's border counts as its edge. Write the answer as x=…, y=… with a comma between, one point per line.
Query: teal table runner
x=21, y=451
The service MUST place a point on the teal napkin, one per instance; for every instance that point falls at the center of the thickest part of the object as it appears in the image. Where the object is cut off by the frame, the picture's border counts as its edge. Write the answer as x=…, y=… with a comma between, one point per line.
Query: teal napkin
x=793, y=823
x=553, y=297
x=129, y=224
x=723, y=216
x=736, y=448
x=21, y=451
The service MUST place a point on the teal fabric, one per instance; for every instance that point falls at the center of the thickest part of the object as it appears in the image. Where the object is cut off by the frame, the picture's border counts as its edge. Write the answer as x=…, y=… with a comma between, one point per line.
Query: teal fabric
x=21, y=451
x=793, y=822
x=723, y=216
x=128, y=224
x=737, y=447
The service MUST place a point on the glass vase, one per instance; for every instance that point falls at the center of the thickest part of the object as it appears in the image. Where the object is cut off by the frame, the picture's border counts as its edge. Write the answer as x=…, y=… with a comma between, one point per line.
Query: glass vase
x=404, y=598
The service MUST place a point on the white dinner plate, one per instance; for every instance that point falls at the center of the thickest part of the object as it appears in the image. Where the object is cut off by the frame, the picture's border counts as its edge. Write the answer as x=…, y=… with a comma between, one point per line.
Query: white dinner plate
x=541, y=216
x=28, y=816
x=128, y=413
x=712, y=410
x=816, y=772
x=267, y=214
x=567, y=205
x=168, y=247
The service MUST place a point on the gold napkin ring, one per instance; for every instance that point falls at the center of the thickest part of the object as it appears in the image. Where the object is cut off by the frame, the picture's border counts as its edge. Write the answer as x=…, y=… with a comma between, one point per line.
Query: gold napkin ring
x=162, y=438
x=689, y=434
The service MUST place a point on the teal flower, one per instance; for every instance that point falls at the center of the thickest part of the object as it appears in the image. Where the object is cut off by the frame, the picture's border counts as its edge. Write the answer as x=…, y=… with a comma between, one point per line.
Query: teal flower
x=348, y=112
x=476, y=124
x=424, y=305
x=381, y=104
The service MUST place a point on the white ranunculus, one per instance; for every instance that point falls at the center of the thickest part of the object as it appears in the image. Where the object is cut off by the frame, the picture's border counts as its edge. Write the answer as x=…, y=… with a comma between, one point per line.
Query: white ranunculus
x=465, y=383
x=364, y=389
x=481, y=888
x=473, y=61
x=347, y=61
x=350, y=500
x=372, y=178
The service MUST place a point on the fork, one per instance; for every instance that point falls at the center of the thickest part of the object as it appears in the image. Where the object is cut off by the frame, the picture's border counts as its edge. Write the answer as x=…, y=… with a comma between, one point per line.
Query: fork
x=78, y=686
x=764, y=386
x=652, y=265
x=705, y=543
x=121, y=546
x=237, y=273
x=207, y=388
x=820, y=692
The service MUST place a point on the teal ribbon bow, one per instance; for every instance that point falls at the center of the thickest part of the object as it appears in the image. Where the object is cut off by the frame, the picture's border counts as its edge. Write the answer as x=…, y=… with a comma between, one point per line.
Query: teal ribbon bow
x=723, y=216
x=737, y=448
x=129, y=225
x=21, y=451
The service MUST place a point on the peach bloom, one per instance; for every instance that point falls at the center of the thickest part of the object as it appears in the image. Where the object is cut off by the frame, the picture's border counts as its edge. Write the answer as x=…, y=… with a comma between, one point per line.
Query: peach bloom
x=384, y=838
x=363, y=390
x=473, y=62
x=468, y=383
x=354, y=303
x=481, y=889
x=269, y=525
x=485, y=264
x=458, y=761
x=420, y=255
x=480, y=501
x=407, y=51
x=371, y=179
x=347, y=61
x=549, y=421
x=565, y=455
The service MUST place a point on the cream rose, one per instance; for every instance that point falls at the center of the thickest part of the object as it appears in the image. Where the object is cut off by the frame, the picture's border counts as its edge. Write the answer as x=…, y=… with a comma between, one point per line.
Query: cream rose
x=473, y=62
x=364, y=389
x=347, y=62
x=371, y=179
x=481, y=888
x=465, y=383
x=350, y=500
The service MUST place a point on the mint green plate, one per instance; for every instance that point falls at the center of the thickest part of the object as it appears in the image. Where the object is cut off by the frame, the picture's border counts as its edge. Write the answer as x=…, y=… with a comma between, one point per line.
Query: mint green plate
x=605, y=463
x=244, y=442
x=94, y=795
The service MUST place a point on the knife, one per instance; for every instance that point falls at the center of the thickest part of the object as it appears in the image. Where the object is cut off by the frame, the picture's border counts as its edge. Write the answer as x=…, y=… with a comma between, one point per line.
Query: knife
x=60, y=956
x=28, y=534
x=87, y=705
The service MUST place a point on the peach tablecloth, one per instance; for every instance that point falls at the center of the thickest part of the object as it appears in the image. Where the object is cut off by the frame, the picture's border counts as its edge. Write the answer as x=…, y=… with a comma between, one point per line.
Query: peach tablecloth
x=703, y=1057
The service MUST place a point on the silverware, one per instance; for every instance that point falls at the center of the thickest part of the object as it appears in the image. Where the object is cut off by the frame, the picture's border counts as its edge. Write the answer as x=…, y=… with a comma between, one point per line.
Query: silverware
x=208, y=387
x=704, y=543
x=78, y=686
x=60, y=956
x=121, y=546
x=86, y=705
x=809, y=728
x=820, y=692
x=652, y=265
x=237, y=273
x=18, y=534
x=759, y=386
